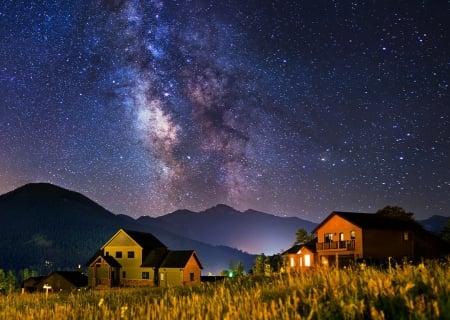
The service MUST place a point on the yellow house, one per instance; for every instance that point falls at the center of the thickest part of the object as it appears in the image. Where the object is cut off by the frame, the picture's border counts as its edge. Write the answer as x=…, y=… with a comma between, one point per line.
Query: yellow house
x=134, y=258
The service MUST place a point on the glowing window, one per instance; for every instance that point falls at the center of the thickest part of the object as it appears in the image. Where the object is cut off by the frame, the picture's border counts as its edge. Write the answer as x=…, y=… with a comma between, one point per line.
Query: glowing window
x=307, y=260
x=292, y=262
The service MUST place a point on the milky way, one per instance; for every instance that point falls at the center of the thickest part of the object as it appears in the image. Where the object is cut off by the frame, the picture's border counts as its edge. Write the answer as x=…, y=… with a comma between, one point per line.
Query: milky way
x=292, y=108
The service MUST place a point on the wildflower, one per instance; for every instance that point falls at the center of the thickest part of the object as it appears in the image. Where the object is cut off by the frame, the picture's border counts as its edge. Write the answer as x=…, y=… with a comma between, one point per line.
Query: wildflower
x=100, y=303
x=123, y=310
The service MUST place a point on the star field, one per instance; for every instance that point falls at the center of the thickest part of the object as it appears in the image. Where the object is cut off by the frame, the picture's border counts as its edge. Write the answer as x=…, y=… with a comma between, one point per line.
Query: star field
x=287, y=107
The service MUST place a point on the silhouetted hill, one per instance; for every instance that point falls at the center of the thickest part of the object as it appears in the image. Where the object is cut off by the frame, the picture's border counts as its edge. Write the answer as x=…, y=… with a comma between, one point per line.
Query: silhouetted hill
x=41, y=222
x=435, y=223
x=251, y=231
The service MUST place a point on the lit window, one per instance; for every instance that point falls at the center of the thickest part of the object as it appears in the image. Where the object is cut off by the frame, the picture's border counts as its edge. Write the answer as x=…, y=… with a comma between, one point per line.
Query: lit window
x=307, y=260
x=353, y=234
x=406, y=236
x=292, y=262
x=328, y=237
x=301, y=261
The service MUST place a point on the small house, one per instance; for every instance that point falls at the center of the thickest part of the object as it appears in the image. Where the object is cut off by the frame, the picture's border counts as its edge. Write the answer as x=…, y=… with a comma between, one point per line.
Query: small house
x=300, y=256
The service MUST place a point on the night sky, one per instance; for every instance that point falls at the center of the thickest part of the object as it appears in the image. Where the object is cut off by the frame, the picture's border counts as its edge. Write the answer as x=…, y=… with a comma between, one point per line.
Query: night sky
x=293, y=108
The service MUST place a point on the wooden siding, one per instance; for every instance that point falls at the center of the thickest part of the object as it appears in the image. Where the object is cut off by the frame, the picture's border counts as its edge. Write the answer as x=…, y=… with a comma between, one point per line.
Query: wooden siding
x=381, y=244
x=298, y=260
x=335, y=226
x=191, y=267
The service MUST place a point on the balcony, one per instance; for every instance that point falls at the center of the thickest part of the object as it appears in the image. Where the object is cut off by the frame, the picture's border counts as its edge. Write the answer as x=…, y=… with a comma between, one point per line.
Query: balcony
x=348, y=245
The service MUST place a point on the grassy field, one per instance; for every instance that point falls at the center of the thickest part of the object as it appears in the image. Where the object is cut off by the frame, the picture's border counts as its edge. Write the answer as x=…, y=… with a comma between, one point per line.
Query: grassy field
x=412, y=292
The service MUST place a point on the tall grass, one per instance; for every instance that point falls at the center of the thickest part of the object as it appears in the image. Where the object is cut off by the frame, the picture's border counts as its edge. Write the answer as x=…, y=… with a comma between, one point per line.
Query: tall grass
x=404, y=293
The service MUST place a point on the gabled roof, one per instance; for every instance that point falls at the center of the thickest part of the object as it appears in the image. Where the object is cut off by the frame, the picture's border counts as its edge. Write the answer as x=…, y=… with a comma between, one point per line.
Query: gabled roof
x=145, y=240
x=108, y=259
x=372, y=221
x=74, y=277
x=155, y=257
x=179, y=259
x=310, y=245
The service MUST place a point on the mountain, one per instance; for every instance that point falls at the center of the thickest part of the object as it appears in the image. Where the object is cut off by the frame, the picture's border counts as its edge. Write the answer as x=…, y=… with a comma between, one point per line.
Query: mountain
x=45, y=227
x=252, y=231
x=434, y=223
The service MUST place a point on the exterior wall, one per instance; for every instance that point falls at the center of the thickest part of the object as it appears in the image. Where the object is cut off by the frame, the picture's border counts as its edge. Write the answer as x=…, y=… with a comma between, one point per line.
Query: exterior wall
x=131, y=272
x=134, y=277
x=169, y=277
x=381, y=244
x=349, y=249
x=191, y=267
x=297, y=261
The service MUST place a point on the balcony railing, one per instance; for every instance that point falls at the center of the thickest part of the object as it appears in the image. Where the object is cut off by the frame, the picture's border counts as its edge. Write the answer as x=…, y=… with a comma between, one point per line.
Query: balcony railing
x=336, y=245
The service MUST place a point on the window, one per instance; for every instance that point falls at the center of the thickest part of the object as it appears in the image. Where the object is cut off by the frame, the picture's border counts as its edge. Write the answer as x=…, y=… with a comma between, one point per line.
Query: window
x=328, y=237
x=191, y=276
x=353, y=234
x=124, y=274
x=307, y=260
x=301, y=261
x=292, y=262
x=145, y=275
x=118, y=254
x=107, y=253
x=406, y=235
x=162, y=276
x=130, y=254
x=341, y=236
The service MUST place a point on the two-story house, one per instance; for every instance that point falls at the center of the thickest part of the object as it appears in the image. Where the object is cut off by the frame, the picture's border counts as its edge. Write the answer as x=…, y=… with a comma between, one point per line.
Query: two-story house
x=346, y=237
x=134, y=258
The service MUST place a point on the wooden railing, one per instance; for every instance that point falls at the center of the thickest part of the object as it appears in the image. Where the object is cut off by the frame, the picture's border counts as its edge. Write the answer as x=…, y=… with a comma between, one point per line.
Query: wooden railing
x=336, y=245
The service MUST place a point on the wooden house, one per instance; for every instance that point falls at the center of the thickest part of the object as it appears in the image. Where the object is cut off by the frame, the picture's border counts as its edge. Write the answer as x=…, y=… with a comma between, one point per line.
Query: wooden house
x=58, y=281
x=134, y=258
x=300, y=257
x=346, y=237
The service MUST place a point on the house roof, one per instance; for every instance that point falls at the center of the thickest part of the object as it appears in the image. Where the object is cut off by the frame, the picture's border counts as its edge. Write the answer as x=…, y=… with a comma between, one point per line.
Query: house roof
x=311, y=245
x=144, y=239
x=372, y=221
x=154, y=258
x=179, y=259
x=32, y=281
x=109, y=260
x=74, y=277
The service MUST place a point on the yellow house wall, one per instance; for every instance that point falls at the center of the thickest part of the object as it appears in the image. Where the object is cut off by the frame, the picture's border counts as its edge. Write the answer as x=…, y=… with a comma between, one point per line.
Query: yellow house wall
x=172, y=277
x=121, y=242
x=337, y=225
